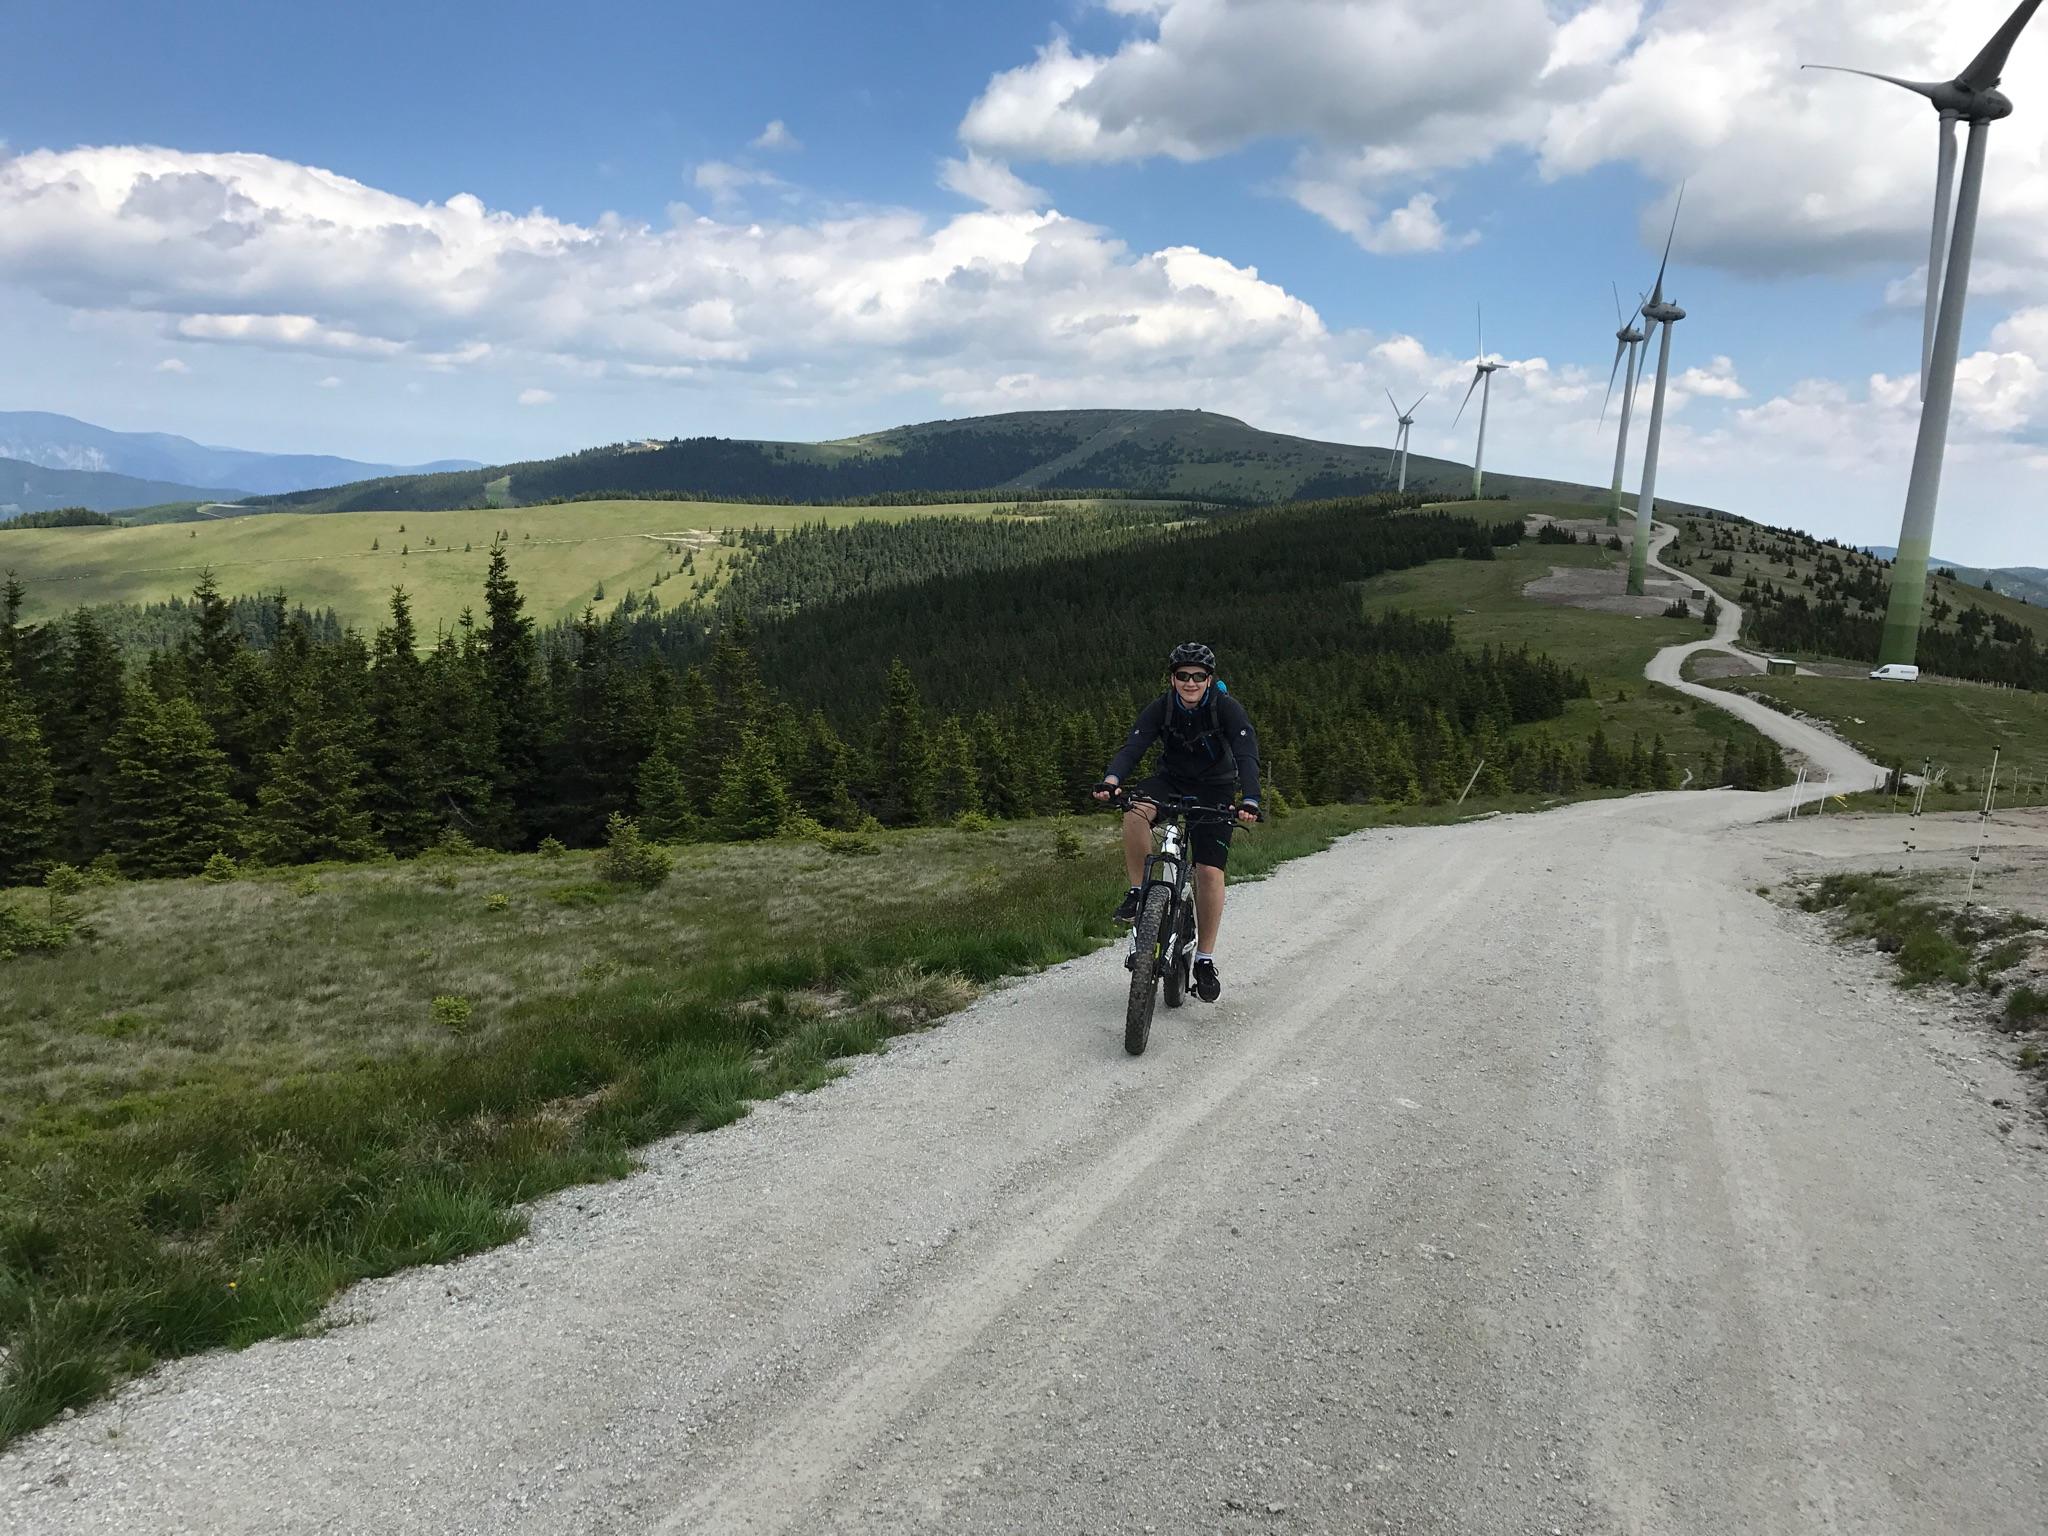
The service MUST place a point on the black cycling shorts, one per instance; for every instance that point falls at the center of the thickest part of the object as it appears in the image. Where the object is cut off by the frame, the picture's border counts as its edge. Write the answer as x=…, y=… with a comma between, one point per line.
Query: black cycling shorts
x=1211, y=838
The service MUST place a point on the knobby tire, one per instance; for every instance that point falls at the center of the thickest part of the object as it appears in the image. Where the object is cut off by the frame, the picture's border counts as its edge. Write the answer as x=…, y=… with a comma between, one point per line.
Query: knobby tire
x=1144, y=972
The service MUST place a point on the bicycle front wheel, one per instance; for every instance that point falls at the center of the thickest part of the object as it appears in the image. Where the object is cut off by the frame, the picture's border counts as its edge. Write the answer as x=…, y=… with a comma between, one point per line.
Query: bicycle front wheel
x=1145, y=966
x=1180, y=956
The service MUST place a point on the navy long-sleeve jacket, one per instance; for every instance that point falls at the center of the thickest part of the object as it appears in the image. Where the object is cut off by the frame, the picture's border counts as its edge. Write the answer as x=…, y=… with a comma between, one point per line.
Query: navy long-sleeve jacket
x=1213, y=743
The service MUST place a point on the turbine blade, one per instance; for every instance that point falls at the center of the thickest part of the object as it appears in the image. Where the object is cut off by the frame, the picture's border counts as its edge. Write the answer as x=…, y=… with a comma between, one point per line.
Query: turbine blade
x=1619, y=348
x=1418, y=402
x=1925, y=88
x=1985, y=69
x=1481, y=309
x=1619, y=323
x=1476, y=377
x=1658, y=291
x=1395, y=404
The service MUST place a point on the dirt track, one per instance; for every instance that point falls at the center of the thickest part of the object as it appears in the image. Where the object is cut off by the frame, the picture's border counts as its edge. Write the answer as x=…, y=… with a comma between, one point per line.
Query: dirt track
x=1533, y=1175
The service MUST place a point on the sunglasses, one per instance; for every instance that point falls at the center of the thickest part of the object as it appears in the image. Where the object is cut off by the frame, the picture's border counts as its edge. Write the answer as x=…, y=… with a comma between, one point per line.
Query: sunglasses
x=1191, y=677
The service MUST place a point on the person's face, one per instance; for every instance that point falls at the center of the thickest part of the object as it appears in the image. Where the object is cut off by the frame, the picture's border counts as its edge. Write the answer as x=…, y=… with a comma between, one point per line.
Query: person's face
x=1190, y=683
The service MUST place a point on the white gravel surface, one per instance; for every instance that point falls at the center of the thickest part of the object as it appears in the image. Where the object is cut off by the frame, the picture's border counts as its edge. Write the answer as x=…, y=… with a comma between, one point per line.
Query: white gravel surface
x=1532, y=1176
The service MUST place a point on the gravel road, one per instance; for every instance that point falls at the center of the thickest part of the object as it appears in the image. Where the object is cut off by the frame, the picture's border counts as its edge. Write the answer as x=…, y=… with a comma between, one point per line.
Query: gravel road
x=1533, y=1175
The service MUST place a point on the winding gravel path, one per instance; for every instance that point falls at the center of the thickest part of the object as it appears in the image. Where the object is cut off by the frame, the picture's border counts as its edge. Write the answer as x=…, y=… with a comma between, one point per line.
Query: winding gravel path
x=1532, y=1176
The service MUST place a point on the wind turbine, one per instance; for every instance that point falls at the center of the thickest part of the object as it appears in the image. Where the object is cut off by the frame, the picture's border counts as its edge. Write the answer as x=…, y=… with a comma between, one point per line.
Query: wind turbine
x=1970, y=97
x=1627, y=341
x=1406, y=419
x=1659, y=312
x=1482, y=371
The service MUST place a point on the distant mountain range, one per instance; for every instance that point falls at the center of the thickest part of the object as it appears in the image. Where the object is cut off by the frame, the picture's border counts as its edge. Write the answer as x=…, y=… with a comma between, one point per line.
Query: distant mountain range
x=1178, y=453
x=113, y=471
x=2024, y=581
x=32, y=488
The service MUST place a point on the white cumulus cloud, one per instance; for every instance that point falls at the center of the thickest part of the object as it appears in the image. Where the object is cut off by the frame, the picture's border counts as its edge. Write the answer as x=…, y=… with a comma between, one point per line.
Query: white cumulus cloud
x=777, y=136
x=536, y=397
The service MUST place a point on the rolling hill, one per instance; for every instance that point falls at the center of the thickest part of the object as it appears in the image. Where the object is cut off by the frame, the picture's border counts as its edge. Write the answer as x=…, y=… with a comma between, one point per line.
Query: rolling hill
x=2029, y=583
x=1178, y=453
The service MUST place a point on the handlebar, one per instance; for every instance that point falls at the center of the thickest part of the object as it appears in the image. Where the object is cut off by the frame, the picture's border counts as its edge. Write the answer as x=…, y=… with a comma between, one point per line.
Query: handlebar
x=1190, y=806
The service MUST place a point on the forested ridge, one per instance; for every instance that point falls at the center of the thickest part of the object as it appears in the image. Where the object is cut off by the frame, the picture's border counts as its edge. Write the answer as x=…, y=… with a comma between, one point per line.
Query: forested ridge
x=1001, y=688
x=1821, y=597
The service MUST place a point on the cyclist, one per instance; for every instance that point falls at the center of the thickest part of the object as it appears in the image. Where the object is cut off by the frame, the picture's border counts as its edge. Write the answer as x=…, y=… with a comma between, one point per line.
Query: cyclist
x=1210, y=748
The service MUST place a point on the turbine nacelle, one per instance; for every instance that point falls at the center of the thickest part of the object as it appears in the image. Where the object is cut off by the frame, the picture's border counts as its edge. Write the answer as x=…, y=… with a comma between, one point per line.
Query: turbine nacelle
x=1951, y=98
x=1662, y=312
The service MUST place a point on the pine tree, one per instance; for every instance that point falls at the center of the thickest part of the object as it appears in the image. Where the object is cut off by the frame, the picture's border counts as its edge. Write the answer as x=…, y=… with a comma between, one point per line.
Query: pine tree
x=956, y=787
x=752, y=800
x=1663, y=775
x=1000, y=776
x=311, y=804
x=692, y=741
x=169, y=809
x=820, y=776
x=87, y=711
x=665, y=812
x=511, y=681
x=401, y=792
x=28, y=811
x=902, y=789
x=1602, y=767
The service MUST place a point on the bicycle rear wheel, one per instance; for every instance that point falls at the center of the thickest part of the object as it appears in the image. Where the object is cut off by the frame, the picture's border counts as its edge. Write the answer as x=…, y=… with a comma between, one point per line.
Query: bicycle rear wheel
x=1145, y=967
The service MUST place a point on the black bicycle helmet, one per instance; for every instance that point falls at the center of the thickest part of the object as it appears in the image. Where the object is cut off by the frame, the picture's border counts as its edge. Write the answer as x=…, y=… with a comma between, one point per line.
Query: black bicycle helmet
x=1192, y=654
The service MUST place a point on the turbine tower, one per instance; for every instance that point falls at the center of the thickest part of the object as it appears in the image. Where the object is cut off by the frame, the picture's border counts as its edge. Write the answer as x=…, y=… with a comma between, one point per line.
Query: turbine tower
x=1482, y=372
x=1659, y=311
x=1972, y=98
x=1406, y=419
x=1628, y=341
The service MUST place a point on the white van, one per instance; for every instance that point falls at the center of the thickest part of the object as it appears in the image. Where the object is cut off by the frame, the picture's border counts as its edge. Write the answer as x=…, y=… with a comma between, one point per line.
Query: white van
x=1897, y=672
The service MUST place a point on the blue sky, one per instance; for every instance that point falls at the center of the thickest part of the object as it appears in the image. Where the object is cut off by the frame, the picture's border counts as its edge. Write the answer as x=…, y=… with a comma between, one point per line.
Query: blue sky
x=401, y=233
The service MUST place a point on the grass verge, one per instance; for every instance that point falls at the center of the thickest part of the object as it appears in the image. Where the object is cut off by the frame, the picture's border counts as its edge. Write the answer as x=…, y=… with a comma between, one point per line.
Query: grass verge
x=1965, y=946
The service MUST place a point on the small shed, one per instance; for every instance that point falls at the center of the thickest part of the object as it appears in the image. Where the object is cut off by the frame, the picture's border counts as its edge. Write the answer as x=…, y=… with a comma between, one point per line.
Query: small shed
x=1780, y=666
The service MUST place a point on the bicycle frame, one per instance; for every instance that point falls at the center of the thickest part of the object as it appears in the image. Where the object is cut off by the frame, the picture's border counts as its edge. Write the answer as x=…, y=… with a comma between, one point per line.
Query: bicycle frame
x=1171, y=864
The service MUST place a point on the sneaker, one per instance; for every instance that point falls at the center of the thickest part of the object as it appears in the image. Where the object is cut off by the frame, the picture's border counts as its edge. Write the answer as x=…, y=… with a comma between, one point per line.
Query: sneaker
x=1134, y=898
x=1208, y=985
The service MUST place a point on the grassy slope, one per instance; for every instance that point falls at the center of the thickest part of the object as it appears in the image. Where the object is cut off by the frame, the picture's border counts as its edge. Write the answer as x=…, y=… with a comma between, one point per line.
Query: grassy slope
x=560, y=555
x=1956, y=725
x=1483, y=599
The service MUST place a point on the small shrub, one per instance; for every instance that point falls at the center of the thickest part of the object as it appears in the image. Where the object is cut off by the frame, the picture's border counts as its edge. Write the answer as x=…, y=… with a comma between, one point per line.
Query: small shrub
x=23, y=934
x=63, y=880
x=1679, y=610
x=551, y=848
x=972, y=821
x=629, y=859
x=104, y=870
x=497, y=901
x=442, y=880
x=220, y=869
x=452, y=1014
x=2024, y=1007
x=306, y=885
x=848, y=844
x=451, y=845
x=1066, y=842
x=802, y=825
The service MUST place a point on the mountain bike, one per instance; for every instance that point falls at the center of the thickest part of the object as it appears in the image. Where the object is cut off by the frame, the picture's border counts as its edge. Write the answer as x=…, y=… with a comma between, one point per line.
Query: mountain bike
x=1161, y=955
